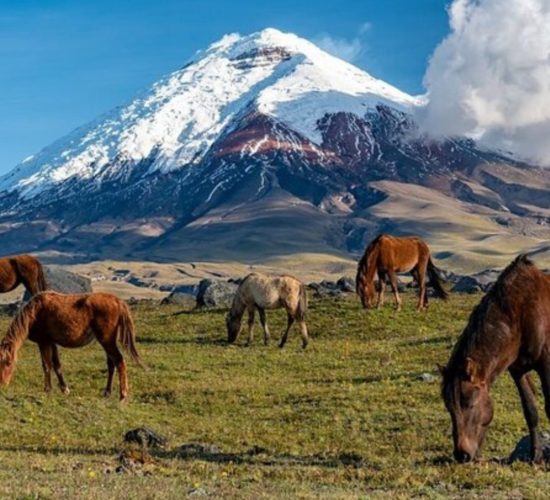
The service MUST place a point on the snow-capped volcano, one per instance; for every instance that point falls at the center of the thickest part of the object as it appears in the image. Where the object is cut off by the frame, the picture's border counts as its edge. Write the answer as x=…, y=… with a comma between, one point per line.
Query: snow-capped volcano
x=178, y=120
x=266, y=145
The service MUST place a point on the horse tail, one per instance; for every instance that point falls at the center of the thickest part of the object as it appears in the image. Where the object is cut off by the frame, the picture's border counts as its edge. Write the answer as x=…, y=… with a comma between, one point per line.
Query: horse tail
x=302, y=303
x=126, y=332
x=435, y=281
x=365, y=269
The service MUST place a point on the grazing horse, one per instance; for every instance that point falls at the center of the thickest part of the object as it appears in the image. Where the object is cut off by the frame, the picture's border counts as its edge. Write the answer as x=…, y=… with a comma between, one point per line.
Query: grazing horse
x=261, y=292
x=387, y=256
x=508, y=330
x=21, y=269
x=51, y=319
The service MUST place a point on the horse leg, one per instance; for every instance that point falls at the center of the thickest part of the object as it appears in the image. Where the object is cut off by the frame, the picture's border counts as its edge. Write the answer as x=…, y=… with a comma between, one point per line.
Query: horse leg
x=303, y=332
x=251, y=314
x=110, y=373
x=528, y=403
x=57, y=368
x=382, y=284
x=263, y=320
x=422, y=293
x=422, y=270
x=544, y=374
x=46, y=355
x=290, y=322
x=116, y=358
x=395, y=290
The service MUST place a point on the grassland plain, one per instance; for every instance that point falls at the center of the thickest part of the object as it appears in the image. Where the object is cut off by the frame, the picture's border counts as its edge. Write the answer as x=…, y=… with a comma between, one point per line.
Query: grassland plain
x=348, y=417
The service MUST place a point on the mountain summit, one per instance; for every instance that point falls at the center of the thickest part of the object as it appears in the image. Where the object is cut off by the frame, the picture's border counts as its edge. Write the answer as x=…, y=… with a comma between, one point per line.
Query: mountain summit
x=175, y=123
x=264, y=145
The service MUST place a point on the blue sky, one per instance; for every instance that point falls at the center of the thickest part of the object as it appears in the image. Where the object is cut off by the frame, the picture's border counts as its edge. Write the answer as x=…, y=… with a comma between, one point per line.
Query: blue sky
x=62, y=63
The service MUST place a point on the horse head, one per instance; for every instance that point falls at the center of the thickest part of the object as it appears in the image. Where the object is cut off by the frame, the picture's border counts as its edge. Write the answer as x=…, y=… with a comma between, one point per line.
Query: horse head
x=7, y=363
x=233, y=322
x=466, y=396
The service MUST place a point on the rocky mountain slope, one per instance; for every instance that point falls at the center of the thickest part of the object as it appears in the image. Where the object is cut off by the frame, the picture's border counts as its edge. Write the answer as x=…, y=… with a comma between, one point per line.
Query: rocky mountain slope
x=265, y=146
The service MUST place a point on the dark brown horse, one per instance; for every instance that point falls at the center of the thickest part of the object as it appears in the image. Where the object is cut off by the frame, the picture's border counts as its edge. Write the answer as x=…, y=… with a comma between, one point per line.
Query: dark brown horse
x=387, y=256
x=21, y=270
x=51, y=319
x=508, y=330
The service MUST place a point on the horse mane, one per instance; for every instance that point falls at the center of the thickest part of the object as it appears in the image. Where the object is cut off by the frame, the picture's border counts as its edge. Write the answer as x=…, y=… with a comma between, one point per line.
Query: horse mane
x=515, y=282
x=18, y=331
x=365, y=268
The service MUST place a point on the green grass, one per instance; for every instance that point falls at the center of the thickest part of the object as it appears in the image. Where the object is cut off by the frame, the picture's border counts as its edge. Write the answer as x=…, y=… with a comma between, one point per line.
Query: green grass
x=348, y=417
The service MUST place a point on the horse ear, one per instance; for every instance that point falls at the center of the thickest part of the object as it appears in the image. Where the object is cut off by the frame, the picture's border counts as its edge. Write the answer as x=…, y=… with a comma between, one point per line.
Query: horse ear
x=442, y=369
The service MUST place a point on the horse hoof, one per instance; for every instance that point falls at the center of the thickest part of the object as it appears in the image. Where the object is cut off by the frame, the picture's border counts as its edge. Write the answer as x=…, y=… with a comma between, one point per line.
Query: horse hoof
x=65, y=390
x=106, y=394
x=281, y=346
x=123, y=400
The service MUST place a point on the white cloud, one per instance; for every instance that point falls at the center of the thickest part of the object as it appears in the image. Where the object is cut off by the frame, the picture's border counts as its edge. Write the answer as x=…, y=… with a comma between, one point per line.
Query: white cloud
x=490, y=78
x=348, y=49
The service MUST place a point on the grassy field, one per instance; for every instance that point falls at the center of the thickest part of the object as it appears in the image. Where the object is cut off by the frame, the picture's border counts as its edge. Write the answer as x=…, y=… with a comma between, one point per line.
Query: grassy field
x=348, y=417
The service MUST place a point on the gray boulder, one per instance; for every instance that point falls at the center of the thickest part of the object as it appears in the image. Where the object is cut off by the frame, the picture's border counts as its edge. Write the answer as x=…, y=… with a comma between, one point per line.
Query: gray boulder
x=187, y=289
x=327, y=288
x=467, y=284
x=346, y=284
x=479, y=282
x=60, y=280
x=215, y=293
x=522, y=451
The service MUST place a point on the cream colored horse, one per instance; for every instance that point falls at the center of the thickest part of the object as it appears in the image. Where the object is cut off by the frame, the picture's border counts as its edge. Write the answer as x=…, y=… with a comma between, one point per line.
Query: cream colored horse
x=261, y=292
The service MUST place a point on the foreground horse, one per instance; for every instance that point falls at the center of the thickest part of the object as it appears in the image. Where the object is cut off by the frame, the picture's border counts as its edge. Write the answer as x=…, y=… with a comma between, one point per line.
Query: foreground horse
x=51, y=319
x=21, y=269
x=261, y=292
x=387, y=256
x=508, y=330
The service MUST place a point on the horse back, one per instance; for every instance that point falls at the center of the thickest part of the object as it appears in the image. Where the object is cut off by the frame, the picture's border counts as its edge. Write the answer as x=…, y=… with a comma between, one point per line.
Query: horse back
x=269, y=292
x=401, y=254
x=71, y=320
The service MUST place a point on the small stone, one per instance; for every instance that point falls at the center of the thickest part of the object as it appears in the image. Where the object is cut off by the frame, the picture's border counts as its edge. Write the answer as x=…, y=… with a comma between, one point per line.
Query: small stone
x=522, y=451
x=427, y=377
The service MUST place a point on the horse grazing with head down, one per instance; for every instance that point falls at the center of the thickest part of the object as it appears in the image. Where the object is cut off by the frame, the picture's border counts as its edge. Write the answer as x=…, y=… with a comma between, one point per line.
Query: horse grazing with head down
x=387, y=256
x=260, y=292
x=508, y=330
x=21, y=270
x=51, y=319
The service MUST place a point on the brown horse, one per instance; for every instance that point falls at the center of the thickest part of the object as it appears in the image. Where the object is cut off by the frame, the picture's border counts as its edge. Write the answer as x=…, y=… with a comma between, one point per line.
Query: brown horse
x=51, y=319
x=387, y=256
x=261, y=292
x=21, y=269
x=508, y=330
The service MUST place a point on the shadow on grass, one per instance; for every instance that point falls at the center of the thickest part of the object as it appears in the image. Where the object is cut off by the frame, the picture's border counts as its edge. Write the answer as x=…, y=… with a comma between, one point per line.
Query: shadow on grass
x=58, y=450
x=218, y=341
x=197, y=311
x=260, y=456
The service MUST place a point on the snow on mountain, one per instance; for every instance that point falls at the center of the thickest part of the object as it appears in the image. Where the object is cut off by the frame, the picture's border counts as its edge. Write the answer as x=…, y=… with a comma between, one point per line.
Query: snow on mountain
x=178, y=120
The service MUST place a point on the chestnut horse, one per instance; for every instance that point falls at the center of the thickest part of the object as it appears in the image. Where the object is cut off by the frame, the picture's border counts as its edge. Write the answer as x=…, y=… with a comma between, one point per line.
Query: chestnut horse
x=508, y=330
x=51, y=319
x=21, y=269
x=386, y=256
x=261, y=292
